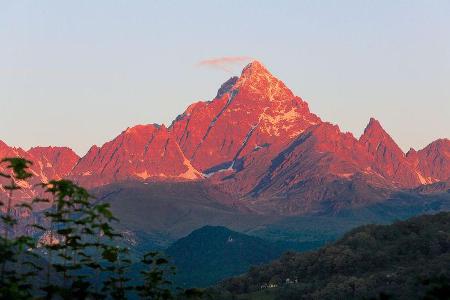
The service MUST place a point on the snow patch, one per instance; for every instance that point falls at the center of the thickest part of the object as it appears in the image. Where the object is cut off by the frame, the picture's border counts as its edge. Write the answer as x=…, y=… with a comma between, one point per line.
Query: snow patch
x=144, y=175
x=345, y=175
x=295, y=133
x=191, y=172
x=281, y=120
x=424, y=180
x=421, y=178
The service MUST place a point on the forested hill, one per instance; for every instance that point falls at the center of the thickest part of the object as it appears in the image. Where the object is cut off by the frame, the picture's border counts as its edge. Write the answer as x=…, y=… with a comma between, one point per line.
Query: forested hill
x=405, y=260
x=213, y=253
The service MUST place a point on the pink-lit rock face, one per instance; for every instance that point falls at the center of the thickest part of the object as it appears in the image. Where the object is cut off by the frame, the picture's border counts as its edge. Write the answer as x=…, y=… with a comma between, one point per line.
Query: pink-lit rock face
x=56, y=162
x=388, y=159
x=253, y=110
x=432, y=162
x=48, y=163
x=317, y=165
x=255, y=142
x=138, y=153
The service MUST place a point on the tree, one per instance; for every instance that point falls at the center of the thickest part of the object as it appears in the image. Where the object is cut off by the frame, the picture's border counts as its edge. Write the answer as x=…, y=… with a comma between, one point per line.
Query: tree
x=81, y=251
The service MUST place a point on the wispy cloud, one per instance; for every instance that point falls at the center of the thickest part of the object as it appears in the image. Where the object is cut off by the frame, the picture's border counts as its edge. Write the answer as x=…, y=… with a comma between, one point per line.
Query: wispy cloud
x=224, y=63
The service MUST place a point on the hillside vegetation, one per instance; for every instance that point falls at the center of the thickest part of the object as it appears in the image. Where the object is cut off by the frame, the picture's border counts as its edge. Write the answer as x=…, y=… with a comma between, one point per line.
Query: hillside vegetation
x=213, y=253
x=406, y=260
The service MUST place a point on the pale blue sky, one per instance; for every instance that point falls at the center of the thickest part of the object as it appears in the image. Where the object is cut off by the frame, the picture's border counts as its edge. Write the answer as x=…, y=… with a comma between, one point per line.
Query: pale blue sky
x=77, y=73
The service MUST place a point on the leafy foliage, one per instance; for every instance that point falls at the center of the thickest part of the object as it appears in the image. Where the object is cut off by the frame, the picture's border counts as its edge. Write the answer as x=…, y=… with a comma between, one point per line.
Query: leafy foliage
x=155, y=285
x=14, y=283
x=79, y=256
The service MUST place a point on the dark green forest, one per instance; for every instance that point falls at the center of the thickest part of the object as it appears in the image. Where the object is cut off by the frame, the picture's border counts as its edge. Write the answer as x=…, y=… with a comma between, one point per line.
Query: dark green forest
x=212, y=253
x=406, y=260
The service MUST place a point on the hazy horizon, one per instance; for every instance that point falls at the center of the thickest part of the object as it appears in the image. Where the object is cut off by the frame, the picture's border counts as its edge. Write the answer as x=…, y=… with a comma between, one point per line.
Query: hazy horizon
x=80, y=73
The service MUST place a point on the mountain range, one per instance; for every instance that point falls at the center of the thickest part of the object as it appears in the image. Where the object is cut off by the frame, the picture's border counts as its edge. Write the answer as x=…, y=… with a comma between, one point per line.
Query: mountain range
x=255, y=146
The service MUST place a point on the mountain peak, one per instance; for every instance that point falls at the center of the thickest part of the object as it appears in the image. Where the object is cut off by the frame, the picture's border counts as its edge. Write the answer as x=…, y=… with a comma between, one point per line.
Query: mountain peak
x=441, y=146
x=3, y=145
x=142, y=130
x=51, y=149
x=255, y=66
x=255, y=70
x=257, y=82
x=411, y=152
x=374, y=131
x=441, y=142
x=434, y=161
x=387, y=157
x=252, y=110
x=55, y=161
x=374, y=124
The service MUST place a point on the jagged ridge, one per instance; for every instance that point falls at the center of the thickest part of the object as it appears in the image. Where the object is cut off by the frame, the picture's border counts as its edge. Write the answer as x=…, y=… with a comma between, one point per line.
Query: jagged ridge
x=255, y=140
